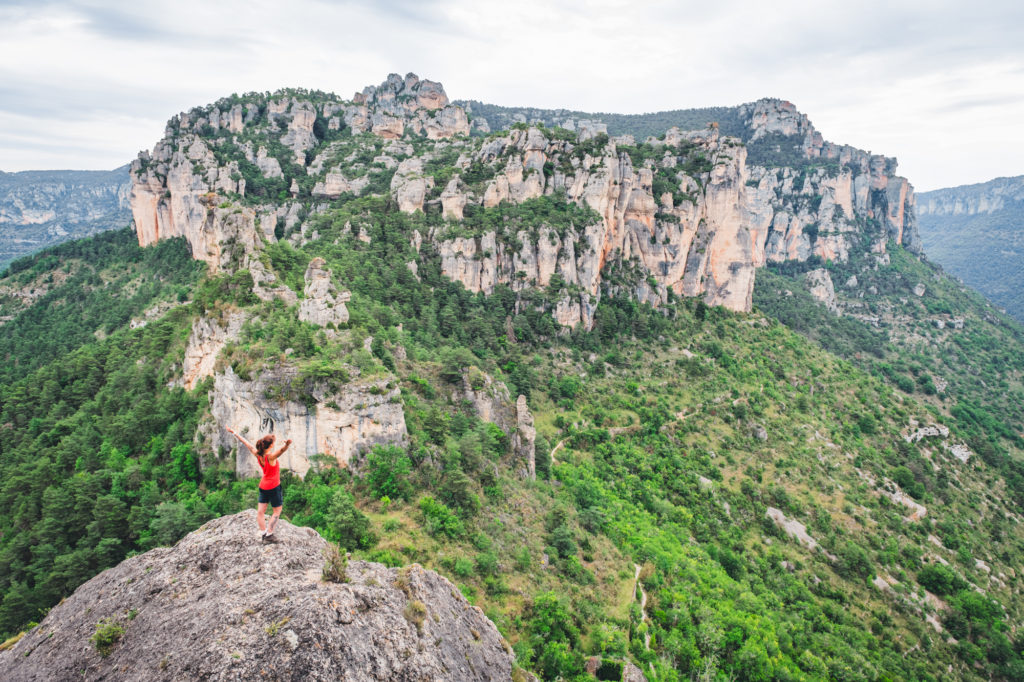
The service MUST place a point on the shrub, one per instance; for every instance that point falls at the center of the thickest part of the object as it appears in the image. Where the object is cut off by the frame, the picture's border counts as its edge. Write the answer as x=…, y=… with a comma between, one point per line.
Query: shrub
x=416, y=612
x=108, y=633
x=335, y=563
x=439, y=519
x=346, y=525
x=854, y=561
x=387, y=471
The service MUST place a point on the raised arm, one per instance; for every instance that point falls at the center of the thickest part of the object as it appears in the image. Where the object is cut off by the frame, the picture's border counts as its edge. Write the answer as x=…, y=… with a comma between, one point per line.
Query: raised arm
x=246, y=443
x=273, y=457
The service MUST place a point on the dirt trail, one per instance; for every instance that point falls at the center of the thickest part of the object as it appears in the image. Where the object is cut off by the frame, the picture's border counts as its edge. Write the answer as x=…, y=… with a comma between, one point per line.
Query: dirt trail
x=556, y=449
x=643, y=604
x=612, y=432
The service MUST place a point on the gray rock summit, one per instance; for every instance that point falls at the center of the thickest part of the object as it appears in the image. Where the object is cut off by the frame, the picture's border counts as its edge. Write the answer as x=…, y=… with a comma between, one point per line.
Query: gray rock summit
x=220, y=605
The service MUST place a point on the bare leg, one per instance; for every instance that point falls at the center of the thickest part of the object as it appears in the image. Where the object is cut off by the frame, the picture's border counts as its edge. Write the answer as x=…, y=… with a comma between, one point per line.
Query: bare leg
x=273, y=520
x=261, y=509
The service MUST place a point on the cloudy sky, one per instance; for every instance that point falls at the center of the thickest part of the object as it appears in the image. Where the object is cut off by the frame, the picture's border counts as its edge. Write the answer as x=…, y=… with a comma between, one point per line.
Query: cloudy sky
x=940, y=85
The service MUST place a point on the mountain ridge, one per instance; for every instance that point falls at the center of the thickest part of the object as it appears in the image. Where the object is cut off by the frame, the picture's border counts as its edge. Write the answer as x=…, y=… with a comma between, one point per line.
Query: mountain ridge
x=40, y=208
x=977, y=233
x=716, y=230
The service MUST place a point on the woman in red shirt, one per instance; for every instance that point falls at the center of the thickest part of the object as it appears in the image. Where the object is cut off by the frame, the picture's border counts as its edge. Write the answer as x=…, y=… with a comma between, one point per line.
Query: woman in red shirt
x=270, y=484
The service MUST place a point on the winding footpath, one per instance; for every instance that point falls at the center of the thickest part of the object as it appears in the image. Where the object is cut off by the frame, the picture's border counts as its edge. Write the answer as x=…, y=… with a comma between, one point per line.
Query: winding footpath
x=643, y=604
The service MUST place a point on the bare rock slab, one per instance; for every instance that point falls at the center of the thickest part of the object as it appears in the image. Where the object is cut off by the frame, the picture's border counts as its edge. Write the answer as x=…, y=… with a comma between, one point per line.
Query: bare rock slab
x=221, y=605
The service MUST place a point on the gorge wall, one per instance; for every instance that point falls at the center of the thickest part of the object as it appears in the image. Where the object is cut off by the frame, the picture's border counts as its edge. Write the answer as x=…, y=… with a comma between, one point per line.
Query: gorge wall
x=689, y=213
x=40, y=208
x=975, y=232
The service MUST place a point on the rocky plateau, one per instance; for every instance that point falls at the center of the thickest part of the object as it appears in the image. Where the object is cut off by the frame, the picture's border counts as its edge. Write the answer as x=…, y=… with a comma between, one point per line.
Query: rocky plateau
x=712, y=222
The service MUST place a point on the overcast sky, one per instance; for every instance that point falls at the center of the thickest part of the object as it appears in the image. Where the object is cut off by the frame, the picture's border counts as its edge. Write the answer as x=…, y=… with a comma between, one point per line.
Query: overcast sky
x=940, y=85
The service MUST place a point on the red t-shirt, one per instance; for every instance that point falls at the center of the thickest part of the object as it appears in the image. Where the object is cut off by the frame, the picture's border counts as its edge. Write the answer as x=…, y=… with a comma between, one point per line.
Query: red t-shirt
x=271, y=474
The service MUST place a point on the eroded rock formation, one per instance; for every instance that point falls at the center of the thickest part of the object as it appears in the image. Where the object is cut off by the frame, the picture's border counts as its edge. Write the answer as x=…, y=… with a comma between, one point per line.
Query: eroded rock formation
x=221, y=606
x=205, y=343
x=693, y=218
x=341, y=424
x=323, y=303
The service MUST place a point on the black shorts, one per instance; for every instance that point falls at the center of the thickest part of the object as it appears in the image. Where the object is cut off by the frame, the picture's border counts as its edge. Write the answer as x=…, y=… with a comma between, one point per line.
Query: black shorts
x=274, y=496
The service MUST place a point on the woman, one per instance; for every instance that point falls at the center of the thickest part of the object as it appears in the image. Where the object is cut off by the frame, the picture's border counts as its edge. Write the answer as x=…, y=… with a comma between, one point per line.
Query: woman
x=270, y=484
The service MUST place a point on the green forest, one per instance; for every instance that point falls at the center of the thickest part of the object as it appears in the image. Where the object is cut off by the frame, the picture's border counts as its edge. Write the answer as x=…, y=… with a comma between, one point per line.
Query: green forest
x=660, y=466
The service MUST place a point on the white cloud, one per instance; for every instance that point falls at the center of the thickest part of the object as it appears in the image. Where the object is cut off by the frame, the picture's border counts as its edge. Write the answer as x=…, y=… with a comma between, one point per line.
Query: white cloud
x=87, y=84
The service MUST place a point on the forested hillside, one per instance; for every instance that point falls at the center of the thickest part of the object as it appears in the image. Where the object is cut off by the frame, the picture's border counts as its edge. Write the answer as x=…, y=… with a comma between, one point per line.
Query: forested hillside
x=976, y=232
x=41, y=208
x=508, y=365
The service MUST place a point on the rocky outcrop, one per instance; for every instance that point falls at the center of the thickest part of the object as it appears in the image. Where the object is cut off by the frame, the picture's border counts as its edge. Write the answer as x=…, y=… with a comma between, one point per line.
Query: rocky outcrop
x=335, y=184
x=205, y=343
x=711, y=222
x=490, y=399
x=819, y=283
x=868, y=179
x=422, y=105
x=409, y=186
x=221, y=606
x=341, y=424
x=170, y=199
x=184, y=189
x=524, y=439
x=323, y=303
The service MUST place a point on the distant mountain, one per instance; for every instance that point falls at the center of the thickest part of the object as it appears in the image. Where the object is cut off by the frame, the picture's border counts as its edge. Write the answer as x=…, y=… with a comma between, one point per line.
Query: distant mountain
x=42, y=208
x=976, y=232
x=493, y=117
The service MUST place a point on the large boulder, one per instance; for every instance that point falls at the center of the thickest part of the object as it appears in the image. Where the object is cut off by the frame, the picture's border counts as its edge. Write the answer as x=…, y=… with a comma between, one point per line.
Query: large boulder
x=220, y=605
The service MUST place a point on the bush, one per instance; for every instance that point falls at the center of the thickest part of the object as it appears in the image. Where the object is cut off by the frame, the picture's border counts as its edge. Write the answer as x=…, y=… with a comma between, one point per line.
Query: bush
x=854, y=561
x=335, y=563
x=108, y=633
x=416, y=612
x=387, y=471
x=439, y=519
x=346, y=525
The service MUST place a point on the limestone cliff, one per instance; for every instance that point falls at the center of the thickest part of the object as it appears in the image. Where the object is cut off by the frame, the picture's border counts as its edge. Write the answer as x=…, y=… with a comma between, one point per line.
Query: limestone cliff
x=341, y=424
x=689, y=213
x=863, y=185
x=698, y=246
x=193, y=182
x=41, y=208
x=205, y=343
x=323, y=304
x=221, y=606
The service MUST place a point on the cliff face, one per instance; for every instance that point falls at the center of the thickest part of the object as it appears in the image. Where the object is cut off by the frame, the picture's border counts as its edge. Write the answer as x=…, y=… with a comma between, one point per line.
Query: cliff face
x=974, y=232
x=179, y=189
x=833, y=176
x=219, y=605
x=687, y=214
x=968, y=200
x=341, y=424
x=40, y=208
x=698, y=247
